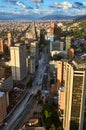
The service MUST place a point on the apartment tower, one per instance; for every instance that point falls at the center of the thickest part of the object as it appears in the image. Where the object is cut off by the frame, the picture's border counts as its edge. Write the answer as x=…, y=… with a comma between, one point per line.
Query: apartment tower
x=1, y=46
x=74, y=98
x=9, y=36
x=18, y=61
x=67, y=43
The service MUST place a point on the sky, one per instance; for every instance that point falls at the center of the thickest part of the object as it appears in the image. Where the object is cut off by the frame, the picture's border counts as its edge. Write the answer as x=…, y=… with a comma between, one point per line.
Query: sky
x=41, y=8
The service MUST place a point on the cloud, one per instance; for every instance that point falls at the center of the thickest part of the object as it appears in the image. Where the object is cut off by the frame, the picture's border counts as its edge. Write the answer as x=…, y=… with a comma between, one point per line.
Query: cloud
x=29, y=7
x=67, y=5
x=38, y=1
x=22, y=5
x=18, y=3
x=84, y=3
x=37, y=8
x=63, y=5
x=78, y=5
x=43, y=12
x=38, y=5
x=7, y=12
x=80, y=12
x=11, y=1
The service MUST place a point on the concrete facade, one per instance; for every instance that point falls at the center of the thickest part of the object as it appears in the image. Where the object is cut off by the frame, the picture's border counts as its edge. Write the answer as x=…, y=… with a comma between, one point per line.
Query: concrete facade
x=1, y=46
x=18, y=61
x=74, y=98
x=34, y=51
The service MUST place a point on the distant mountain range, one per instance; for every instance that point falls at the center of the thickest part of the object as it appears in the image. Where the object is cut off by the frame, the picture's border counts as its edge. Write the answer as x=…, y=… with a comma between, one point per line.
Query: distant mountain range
x=35, y=17
x=83, y=17
x=57, y=17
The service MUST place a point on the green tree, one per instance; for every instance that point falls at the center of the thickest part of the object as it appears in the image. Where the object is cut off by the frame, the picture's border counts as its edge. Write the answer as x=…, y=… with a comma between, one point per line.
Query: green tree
x=52, y=127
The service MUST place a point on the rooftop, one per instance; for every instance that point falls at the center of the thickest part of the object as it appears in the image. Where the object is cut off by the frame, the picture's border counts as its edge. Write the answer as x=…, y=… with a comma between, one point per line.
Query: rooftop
x=35, y=128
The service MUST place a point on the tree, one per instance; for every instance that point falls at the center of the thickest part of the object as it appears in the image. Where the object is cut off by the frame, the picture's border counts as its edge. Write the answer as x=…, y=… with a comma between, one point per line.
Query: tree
x=52, y=127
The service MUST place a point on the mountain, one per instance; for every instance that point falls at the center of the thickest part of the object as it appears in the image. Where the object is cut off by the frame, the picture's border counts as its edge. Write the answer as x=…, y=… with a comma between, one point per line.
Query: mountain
x=57, y=17
x=4, y=16
x=81, y=17
x=38, y=17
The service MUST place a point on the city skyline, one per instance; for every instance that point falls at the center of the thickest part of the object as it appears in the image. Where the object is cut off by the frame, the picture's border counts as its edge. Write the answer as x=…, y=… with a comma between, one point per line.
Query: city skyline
x=41, y=8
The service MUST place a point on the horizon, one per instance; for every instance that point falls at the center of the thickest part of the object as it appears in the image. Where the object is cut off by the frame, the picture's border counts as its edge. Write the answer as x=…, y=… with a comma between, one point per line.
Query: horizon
x=36, y=9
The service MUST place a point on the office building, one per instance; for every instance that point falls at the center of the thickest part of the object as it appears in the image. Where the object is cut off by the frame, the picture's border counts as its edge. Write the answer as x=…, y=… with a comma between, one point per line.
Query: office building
x=70, y=53
x=9, y=36
x=34, y=51
x=74, y=98
x=18, y=61
x=31, y=65
x=1, y=46
x=67, y=42
x=59, y=73
x=56, y=70
x=61, y=45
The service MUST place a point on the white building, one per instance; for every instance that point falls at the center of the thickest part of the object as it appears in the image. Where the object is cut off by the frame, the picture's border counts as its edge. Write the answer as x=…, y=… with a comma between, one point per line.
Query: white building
x=34, y=51
x=18, y=61
x=31, y=64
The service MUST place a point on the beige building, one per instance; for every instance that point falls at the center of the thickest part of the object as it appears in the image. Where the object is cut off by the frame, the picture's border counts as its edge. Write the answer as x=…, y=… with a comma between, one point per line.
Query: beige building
x=70, y=53
x=31, y=64
x=18, y=61
x=74, y=98
x=67, y=42
x=34, y=51
x=2, y=107
x=57, y=67
x=1, y=46
x=9, y=36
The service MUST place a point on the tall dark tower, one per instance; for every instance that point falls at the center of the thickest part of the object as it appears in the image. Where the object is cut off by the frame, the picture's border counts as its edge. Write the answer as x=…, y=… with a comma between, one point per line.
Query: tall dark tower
x=55, y=31
x=35, y=31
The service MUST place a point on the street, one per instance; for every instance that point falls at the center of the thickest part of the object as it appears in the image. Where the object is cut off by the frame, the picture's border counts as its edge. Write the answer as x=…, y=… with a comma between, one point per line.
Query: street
x=14, y=121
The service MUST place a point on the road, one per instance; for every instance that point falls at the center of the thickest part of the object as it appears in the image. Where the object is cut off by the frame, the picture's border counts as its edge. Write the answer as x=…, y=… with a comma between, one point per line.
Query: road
x=24, y=114
x=11, y=123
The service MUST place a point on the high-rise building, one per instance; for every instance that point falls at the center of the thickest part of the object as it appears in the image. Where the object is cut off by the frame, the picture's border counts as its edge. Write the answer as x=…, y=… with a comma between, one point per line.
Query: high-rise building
x=52, y=26
x=34, y=51
x=57, y=68
x=59, y=73
x=57, y=45
x=74, y=98
x=67, y=42
x=61, y=45
x=18, y=61
x=70, y=53
x=9, y=39
x=31, y=64
x=1, y=46
x=52, y=35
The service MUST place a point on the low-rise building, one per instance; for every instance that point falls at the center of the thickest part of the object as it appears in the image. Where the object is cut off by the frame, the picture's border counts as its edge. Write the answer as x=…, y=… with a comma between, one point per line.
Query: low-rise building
x=6, y=84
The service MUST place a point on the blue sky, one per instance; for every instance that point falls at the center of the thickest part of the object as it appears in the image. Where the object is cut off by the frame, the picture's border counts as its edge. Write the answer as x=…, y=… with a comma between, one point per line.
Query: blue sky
x=42, y=7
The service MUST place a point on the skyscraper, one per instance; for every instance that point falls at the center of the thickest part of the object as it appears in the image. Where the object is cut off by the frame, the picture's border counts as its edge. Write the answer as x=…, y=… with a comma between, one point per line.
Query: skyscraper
x=18, y=61
x=9, y=39
x=67, y=42
x=74, y=98
x=1, y=46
